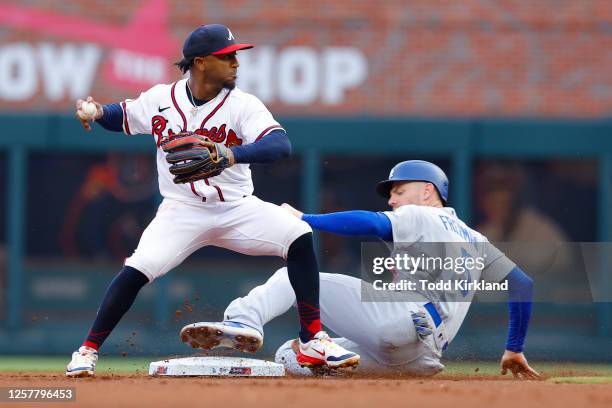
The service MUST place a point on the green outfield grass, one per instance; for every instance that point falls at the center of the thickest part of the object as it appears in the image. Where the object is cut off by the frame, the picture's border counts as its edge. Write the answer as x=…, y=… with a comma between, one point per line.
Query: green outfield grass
x=581, y=380
x=58, y=364
x=549, y=369
x=558, y=372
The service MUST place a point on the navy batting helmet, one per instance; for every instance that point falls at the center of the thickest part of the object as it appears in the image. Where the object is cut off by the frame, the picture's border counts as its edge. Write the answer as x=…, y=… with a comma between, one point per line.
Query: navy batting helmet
x=416, y=170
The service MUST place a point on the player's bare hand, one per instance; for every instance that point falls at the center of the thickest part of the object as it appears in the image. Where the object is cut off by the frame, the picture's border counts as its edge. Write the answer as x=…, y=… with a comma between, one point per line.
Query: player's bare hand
x=292, y=211
x=86, y=113
x=518, y=365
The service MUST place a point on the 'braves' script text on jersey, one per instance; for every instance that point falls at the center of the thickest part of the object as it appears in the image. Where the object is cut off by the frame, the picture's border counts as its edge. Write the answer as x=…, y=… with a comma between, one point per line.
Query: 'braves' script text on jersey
x=233, y=118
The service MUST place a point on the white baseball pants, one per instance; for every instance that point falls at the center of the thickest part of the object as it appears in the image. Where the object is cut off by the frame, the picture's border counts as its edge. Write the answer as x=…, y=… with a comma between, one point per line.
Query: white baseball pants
x=249, y=226
x=382, y=333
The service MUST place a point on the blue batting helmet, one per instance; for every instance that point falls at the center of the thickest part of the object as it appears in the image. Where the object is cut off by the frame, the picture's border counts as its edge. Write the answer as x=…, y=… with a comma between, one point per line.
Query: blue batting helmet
x=416, y=170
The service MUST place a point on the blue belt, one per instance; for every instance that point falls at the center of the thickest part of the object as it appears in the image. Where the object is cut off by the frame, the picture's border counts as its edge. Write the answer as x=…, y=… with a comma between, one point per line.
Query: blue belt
x=433, y=312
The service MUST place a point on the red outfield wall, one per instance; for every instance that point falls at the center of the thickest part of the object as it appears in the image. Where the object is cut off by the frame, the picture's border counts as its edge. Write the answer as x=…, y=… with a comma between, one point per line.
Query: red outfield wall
x=444, y=58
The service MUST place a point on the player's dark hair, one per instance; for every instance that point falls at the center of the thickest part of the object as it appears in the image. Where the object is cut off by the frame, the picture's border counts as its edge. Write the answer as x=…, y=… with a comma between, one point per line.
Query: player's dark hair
x=184, y=65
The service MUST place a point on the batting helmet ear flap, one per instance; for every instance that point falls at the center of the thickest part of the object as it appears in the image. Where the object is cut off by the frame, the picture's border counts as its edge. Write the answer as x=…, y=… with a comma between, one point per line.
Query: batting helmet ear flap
x=416, y=170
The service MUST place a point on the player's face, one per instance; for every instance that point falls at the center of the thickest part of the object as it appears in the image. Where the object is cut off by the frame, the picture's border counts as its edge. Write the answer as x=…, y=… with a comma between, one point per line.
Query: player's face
x=222, y=70
x=407, y=192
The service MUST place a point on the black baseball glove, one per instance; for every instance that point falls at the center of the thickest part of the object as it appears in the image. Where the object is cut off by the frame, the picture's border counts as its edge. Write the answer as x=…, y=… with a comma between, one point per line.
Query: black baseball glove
x=194, y=157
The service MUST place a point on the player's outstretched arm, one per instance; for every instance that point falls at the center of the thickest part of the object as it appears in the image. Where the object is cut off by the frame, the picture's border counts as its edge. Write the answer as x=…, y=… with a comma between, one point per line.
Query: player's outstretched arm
x=518, y=365
x=350, y=223
x=88, y=110
x=520, y=288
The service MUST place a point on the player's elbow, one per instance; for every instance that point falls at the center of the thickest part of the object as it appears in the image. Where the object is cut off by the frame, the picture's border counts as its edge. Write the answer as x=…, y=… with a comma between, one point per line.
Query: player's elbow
x=528, y=281
x=284, y=148
x=277, y=144
x=527, y=287
x=520, y=285
x=525, y=280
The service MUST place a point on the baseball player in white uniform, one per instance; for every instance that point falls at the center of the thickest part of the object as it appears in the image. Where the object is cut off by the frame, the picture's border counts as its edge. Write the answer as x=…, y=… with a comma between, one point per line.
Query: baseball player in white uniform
x=407, y=336
x=219, y=210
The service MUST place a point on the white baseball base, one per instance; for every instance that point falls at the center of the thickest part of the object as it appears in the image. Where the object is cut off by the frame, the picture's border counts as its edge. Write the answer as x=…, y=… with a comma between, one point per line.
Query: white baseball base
x=216, y=367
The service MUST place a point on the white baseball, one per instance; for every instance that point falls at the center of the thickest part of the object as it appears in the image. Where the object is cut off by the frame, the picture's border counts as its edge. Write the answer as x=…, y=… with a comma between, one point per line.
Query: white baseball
x=89, y=109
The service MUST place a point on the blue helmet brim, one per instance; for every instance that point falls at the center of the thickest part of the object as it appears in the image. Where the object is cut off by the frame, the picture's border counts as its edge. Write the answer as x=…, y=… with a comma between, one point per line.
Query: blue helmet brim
x=383, y=188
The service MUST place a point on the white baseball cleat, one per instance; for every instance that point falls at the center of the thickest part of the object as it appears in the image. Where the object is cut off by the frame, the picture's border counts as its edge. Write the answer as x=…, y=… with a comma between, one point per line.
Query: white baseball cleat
x=83, y=363
x=321, y=351
x=210, y=335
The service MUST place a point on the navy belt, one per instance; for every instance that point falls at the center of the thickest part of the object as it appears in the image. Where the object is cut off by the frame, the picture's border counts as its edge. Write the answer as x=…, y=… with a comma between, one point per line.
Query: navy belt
x=433, y=312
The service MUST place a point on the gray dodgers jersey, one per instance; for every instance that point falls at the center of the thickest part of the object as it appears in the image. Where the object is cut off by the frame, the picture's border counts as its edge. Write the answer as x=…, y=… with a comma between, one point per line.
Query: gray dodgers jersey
x=430, y=232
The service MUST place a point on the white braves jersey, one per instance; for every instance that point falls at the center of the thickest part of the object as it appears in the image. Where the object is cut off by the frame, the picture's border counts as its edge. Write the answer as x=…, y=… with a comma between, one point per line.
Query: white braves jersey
x=233, y=118
x=414, y=224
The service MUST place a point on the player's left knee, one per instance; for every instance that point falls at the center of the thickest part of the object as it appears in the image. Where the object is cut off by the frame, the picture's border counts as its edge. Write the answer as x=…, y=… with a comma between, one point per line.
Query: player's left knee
x=280, y=274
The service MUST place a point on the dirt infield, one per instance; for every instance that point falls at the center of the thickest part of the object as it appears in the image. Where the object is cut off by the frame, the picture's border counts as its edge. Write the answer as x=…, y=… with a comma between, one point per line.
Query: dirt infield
x=143, y=391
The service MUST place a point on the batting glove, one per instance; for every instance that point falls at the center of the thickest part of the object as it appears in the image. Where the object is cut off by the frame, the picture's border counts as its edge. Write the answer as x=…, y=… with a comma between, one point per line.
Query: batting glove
x=421, y=324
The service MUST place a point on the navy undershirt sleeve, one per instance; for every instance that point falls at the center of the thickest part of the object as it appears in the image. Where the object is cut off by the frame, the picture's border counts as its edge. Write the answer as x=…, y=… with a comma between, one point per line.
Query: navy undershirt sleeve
x=112, y=117
x=520, y=288
x=275, y=145
x=355, y=223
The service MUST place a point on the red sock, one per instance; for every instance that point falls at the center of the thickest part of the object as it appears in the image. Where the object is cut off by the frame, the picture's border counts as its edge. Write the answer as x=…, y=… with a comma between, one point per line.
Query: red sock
x=90, y=344
x=310, y=321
